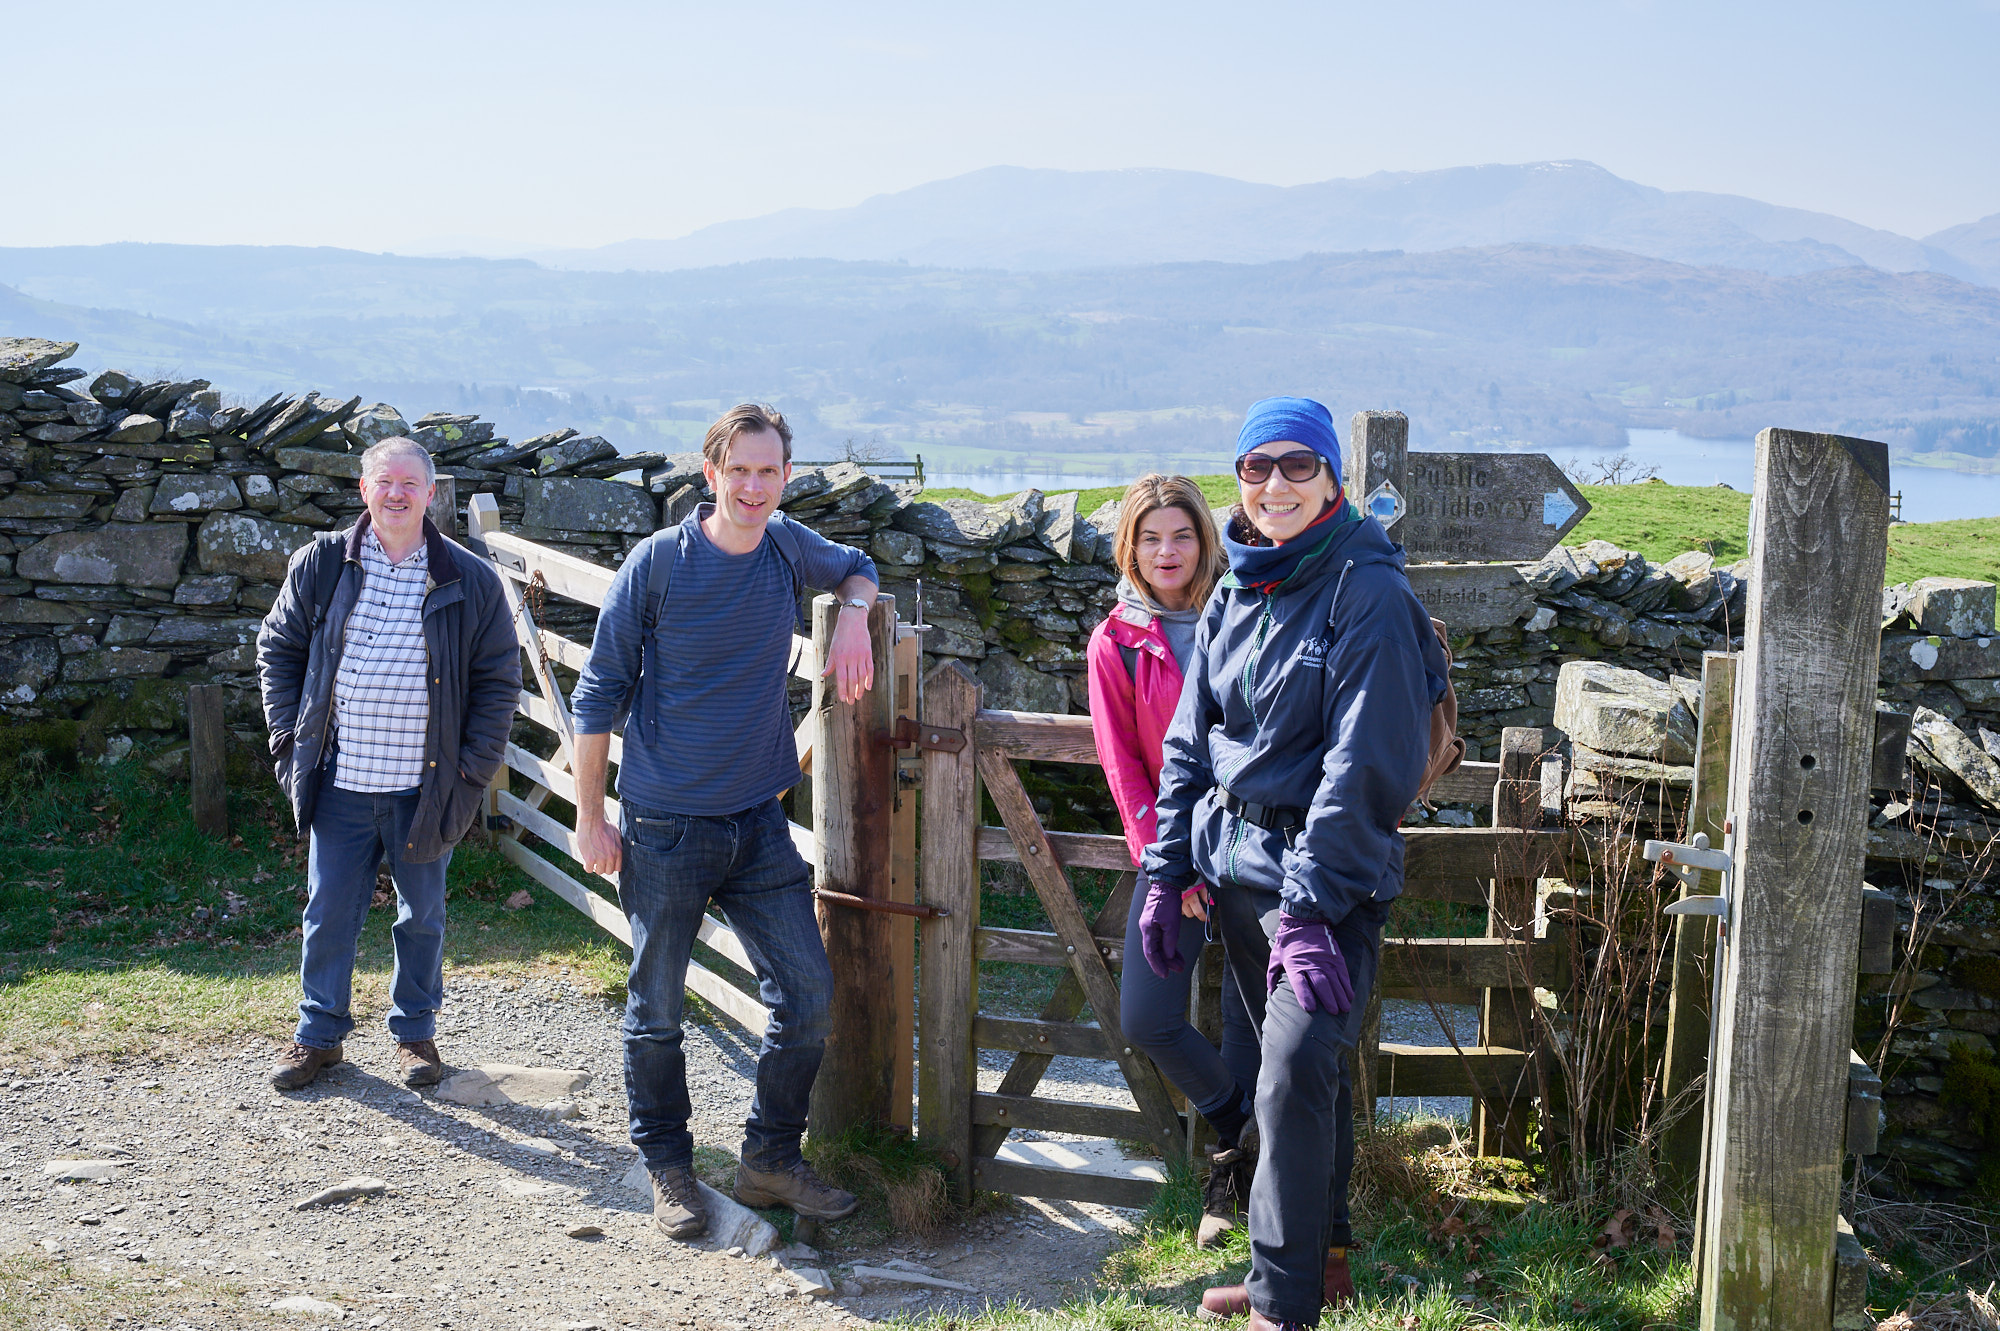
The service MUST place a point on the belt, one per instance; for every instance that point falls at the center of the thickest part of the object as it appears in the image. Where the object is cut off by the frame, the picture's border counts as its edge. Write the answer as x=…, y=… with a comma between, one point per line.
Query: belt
x=1267, y=816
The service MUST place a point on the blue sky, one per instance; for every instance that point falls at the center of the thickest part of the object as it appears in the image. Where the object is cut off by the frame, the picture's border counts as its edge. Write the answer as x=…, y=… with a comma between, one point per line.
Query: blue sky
x=429, y=123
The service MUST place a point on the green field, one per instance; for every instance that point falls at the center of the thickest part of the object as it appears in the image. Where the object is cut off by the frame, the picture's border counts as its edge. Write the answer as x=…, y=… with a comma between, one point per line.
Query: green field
x=1661, y=521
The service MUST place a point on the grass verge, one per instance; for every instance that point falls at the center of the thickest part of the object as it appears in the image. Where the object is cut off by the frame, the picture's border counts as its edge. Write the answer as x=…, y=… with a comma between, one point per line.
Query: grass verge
x=1446, y=1243
x=126, y=931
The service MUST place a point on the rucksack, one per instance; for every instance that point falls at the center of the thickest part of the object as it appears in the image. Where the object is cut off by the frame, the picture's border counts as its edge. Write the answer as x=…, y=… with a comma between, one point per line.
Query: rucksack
x=1447, y=746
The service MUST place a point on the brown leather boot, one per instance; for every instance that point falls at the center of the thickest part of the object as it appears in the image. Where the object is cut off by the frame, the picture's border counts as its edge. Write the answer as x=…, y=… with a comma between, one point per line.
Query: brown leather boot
x=299, y=1064
x=1223, y=1302
x=1226, y=1301
x=418, y=1063
x=1339, y=1280
x=1226, y=1195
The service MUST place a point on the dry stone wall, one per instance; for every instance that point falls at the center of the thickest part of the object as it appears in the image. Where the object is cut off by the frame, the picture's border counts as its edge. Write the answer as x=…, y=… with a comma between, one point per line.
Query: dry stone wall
x=145, y=526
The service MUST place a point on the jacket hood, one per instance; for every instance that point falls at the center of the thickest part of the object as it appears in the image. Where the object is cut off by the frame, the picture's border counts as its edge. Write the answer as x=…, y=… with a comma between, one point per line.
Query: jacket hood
x=1130, y=597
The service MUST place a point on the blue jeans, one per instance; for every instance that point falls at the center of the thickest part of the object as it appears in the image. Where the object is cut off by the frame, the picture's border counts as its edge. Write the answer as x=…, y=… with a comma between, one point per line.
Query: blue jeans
x=352, y=834
x=675, y=865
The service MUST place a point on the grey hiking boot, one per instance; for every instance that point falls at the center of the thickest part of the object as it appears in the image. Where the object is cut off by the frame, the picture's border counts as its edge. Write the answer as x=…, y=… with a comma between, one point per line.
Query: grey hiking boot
x=679, y=1210
x=805, y=1192
x=299, y=1064
x=1227, y=1194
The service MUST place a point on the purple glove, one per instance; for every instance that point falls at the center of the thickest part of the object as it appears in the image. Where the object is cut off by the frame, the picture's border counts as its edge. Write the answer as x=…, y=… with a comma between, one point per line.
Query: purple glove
x=1160, y=928
x=1319, y=976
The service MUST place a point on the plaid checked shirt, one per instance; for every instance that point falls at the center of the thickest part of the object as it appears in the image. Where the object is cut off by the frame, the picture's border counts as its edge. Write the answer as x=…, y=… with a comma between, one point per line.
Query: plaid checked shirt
x=381, y=698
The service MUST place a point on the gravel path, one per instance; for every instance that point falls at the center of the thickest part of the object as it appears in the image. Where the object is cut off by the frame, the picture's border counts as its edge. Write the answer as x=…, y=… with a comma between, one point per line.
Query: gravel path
x=473, y=1229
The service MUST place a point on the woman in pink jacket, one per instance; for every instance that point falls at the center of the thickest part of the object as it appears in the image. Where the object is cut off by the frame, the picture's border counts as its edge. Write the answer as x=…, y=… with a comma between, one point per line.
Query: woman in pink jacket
x=1170, y=556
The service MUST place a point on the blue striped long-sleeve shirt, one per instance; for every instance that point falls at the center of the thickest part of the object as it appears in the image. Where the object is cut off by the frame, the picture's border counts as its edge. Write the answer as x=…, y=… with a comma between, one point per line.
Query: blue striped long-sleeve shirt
x=719, y=661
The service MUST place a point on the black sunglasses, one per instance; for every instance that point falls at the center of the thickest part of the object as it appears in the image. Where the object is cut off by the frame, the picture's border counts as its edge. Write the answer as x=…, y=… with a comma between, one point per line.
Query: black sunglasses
x=1300, y=464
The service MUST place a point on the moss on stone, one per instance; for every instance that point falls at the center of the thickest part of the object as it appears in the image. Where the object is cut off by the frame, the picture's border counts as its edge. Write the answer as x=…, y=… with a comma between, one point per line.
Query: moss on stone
x=30, y=750
x=1972, y=1086
x=977, y=589
x=1981, y=974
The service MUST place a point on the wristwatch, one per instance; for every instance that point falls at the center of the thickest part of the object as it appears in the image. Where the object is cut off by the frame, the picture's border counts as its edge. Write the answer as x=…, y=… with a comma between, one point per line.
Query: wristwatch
x=855, y=603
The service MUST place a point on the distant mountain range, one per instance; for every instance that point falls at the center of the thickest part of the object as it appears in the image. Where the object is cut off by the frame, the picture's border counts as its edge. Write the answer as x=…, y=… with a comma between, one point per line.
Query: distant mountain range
x=1514, y=345
x=1022, y=219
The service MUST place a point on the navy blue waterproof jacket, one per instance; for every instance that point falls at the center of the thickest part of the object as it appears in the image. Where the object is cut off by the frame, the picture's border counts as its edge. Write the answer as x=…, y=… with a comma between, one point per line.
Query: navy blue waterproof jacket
x=475, y=666
x=1316, y=696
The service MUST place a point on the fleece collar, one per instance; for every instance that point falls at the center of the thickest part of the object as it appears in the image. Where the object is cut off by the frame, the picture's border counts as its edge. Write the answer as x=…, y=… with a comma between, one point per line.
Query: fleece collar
x=437, y=549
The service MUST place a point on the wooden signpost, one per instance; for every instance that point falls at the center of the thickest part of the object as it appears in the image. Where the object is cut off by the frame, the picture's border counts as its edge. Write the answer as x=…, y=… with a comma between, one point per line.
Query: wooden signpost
x=1459, y=506
x=1487, y=506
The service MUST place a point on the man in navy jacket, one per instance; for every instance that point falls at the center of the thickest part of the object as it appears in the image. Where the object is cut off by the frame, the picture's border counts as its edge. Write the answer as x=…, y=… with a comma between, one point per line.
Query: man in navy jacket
x=390, y=672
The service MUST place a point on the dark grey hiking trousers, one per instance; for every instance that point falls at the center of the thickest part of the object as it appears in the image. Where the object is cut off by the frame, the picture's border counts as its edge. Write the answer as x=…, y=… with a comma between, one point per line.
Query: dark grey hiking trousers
x=1305, y=1103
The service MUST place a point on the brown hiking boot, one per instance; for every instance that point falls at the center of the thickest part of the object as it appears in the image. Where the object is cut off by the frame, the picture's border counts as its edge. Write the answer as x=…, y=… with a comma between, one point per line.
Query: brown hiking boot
x=805, y=1192
x=418, y=1064
x=1226, y=1301
x=1227, y=1194
x=299, y=1064
x=679, y=1210
x=1339, y=1280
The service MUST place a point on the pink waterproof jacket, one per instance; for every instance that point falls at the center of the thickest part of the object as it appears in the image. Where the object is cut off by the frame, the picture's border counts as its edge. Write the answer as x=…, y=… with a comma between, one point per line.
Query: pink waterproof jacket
x=1129, y=715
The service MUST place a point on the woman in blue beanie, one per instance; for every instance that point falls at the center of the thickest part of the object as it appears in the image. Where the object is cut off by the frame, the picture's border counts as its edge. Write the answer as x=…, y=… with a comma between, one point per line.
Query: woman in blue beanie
x=1300, y=740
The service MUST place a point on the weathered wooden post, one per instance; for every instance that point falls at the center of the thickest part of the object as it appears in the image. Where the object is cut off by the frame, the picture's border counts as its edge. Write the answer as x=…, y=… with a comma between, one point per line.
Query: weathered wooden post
x=949, y=979
x=1694, y=935
x=903, y=884
x=208, y=759
x=854, y=780
x=1378, y=450
x=1507, y=1016
x=444, y=506
x=1799, y=776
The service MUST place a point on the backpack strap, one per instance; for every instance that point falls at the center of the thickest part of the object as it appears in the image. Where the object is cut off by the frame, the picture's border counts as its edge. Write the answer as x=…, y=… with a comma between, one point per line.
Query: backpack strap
x=659, y=578
x=668, y=546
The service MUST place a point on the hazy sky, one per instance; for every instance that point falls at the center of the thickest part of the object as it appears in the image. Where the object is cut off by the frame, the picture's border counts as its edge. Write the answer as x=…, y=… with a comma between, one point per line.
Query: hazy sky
x=424, y=124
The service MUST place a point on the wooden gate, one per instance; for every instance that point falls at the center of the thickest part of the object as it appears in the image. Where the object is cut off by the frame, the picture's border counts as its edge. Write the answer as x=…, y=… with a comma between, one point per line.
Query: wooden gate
x=970, y=1125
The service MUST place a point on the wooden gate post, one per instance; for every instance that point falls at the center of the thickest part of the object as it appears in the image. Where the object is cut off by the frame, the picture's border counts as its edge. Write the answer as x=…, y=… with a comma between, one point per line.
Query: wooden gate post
x=903, y=885
x=1799, y=776
x=1694, y=935
x=854, y=791
x=948, y=982
x=208, y=759
x=444, y=506
x=1507, y=1016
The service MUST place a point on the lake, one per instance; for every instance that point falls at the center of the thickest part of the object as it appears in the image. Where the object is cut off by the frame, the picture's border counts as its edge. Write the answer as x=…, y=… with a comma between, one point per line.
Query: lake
x=1929, y=494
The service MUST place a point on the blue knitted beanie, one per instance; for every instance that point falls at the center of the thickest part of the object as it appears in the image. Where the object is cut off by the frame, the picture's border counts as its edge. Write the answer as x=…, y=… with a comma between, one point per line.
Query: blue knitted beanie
x=1297, y=419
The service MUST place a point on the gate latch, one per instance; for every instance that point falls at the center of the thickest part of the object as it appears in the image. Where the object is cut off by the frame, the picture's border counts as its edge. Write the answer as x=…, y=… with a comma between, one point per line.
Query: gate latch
x=1688, y=863
x=908, y=734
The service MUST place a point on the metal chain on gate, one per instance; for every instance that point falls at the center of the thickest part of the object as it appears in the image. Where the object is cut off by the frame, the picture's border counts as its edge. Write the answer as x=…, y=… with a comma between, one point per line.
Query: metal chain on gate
x=532, y=594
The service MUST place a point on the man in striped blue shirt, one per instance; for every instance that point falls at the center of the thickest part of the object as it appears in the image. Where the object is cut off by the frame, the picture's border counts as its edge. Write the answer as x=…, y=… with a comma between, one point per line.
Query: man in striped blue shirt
x=708, y=751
